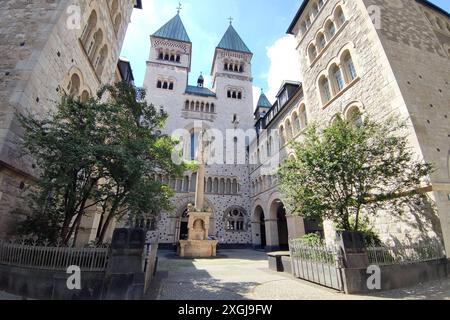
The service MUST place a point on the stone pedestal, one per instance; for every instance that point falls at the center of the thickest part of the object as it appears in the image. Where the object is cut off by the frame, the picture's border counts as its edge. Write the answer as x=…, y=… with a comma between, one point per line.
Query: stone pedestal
x=198, y=245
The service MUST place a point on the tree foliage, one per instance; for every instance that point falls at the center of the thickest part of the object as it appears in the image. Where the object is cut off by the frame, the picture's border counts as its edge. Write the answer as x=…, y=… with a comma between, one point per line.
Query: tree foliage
x=98, y=155
x=349, y=169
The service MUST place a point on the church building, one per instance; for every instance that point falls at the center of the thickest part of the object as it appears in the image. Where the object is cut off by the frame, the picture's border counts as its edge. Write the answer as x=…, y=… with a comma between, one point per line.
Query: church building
x=224, y=111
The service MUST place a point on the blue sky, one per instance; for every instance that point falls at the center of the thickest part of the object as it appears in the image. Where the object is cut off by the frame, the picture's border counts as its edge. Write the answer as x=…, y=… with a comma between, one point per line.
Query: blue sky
x=262, y=24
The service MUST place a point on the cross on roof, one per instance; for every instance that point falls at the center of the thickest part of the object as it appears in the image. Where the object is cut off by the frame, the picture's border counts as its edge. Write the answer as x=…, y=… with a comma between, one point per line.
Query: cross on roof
x=179, y=7
x=231, y=20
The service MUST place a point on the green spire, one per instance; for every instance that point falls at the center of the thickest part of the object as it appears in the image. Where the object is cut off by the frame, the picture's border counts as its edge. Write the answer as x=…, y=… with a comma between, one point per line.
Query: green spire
x=173, y=30
x=232, y=41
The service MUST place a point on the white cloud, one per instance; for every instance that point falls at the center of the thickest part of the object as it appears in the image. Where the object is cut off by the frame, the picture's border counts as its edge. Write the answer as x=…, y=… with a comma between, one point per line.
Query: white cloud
x=284, y=64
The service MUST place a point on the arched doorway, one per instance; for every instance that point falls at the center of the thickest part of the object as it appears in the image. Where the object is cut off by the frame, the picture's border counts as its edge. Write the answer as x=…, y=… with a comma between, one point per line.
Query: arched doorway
x=184, y=230
x=278, y=212
x=261, y=231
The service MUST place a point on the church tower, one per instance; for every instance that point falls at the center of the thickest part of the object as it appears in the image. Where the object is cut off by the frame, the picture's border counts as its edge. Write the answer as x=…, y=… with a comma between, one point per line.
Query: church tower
x=232, y=76
x=169, y=64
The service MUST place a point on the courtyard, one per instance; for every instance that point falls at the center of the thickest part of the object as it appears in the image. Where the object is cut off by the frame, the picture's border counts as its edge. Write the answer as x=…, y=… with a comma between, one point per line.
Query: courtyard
x=244, y=275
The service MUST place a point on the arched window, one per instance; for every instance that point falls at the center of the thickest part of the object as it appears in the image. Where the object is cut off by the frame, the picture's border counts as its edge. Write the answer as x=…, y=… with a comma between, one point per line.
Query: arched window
x=117, y=22
x=194, y=145
x=321, y=42
x=74, y=85
x=186, y=105
x=95, y=44
x=114, y=7
x=85, y=96
x=229, y=94
x=228, y=187
x=303, y=28
x=209, y=185
x=350, y=70
x=178, y=58
x=197, y=106
x=314, y=10
x=166, y=57
x=295, y=123
x=216, y=186
x=89, y=28
x=234, y=95
x=325, y=91
x=239, y=95
x=225, y=66
x=303, y=117
x=186, y=184
x=100, y=65
x=159, y=84
x=221, y=186
x=207, y=108
x=161, y=55
x=354, y=116
x=165, y=85
x=241, y=68
x=282, y=136
x=312, y=51
x=338, y=80
x=213, y=110
x=235, y=219
x=330, y=29
x=171, y=86
x=339, y=16
x=288, y=130
x=172, y=58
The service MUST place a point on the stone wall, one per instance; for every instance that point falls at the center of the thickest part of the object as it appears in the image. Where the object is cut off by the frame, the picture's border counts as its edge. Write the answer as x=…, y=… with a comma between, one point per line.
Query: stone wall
x=411, y=37
x=41, y=50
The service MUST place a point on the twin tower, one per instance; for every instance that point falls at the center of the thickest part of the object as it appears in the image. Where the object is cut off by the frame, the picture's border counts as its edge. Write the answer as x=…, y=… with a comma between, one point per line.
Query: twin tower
x=229, y=101
x=226, y=106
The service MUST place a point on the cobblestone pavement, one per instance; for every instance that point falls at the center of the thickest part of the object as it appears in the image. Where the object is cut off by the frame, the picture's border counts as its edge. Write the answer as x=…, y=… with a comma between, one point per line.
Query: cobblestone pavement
x=244, y=275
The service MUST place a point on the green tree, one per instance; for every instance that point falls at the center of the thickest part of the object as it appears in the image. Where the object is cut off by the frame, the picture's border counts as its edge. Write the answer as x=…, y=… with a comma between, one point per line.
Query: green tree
x=104, y=154
x=349, y=169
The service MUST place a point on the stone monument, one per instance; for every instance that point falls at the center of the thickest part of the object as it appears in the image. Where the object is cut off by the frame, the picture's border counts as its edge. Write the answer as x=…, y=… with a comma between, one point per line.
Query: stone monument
x=198, y=244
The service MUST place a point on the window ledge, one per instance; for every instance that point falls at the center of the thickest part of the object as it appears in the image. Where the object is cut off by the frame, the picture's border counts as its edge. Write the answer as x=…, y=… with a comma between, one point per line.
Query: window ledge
x=340, y=93
x=322, y=52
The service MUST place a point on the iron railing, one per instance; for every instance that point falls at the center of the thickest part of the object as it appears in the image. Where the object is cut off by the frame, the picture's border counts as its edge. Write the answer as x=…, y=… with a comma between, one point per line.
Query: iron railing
x=315, y=253
x=403, y=254
x=41, y=256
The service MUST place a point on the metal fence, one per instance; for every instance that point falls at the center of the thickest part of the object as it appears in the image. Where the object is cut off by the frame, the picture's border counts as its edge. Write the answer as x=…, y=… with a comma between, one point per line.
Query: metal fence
x=53, y=258
x=405, y=254
x=316, y=263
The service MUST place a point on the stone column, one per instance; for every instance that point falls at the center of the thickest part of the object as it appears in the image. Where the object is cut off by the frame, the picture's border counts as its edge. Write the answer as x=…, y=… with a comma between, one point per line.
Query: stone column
x=272, y=240
x=256, y=236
